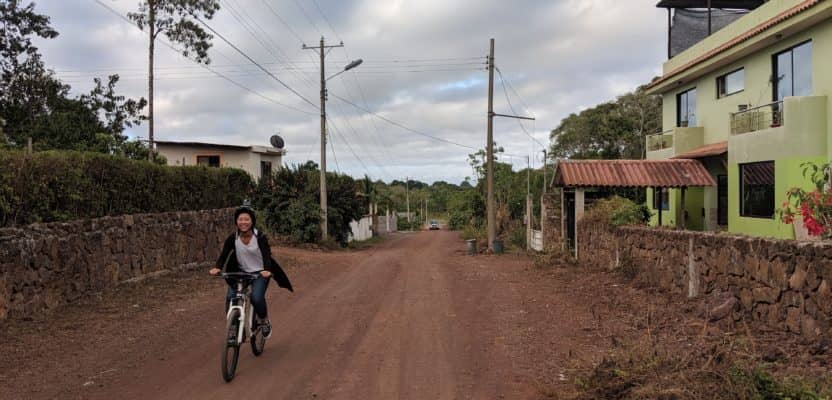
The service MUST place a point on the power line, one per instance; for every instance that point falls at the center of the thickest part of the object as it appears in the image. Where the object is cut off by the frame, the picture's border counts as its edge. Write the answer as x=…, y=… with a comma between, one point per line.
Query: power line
x=401, y=125
x=214, y=31
x=215, y=72
x=510, y=106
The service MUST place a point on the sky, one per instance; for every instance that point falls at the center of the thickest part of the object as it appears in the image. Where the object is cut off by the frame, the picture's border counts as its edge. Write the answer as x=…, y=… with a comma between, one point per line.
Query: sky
x=423, y=78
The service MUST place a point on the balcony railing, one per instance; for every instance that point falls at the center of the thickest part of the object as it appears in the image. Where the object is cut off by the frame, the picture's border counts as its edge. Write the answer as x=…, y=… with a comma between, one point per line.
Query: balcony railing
x=757, y=118
x=660, y=141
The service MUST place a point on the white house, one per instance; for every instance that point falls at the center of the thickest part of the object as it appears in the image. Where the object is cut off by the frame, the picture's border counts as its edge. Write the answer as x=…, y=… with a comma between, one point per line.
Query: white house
x=256, y=160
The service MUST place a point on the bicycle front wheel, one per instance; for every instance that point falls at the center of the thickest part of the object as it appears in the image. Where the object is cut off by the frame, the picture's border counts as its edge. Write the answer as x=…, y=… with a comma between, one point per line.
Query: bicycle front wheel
x=258, y=341
x=230, y=348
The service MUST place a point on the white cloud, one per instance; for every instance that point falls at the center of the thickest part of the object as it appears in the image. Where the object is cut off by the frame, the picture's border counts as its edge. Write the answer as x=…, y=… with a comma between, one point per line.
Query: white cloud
x=561, y=56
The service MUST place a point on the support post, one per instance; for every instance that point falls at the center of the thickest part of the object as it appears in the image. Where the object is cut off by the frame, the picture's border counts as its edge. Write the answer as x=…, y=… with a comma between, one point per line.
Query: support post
x=669, y=23
x=682, y=210
x=657, y=191
x=709, y=18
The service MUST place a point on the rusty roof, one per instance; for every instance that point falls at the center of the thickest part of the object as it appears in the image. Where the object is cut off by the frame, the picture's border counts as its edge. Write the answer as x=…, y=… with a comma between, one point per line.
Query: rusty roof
x=708, y=150
x=631, y=173
x=760, y=28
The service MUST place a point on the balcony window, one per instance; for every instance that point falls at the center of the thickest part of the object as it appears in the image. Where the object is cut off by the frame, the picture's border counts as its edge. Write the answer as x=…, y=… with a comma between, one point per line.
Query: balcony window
x=686, y=108
x=208, y=161
x=730, y=83
x=792, y=72
x=757, y=189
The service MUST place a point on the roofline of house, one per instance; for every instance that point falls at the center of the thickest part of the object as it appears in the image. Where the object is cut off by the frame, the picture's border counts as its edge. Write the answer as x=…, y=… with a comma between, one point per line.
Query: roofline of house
x=255, y=149
x=664, y=83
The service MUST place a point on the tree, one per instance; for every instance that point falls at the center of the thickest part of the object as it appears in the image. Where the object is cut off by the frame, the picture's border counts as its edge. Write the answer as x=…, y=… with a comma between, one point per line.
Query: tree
x=177, y=20
x=25, y=85
x=611, y=130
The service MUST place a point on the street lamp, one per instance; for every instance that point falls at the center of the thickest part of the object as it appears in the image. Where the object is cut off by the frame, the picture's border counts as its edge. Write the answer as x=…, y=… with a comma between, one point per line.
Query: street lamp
x=353, y=64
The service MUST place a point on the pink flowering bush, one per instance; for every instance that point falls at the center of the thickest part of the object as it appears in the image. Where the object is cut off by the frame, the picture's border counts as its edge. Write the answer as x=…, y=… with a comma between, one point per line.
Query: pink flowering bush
x=813, y=206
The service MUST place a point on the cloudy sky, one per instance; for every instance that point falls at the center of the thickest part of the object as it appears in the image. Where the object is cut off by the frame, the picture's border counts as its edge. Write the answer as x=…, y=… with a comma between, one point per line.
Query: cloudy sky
x=423, y=71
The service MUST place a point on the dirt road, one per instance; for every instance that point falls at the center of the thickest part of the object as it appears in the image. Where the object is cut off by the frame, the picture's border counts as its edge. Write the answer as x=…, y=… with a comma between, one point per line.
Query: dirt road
x=412, y=318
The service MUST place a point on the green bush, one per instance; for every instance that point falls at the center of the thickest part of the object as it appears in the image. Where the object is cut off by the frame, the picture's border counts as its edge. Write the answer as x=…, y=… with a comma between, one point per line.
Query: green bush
x=64, y=185
x=290, y=198
x=617, y=211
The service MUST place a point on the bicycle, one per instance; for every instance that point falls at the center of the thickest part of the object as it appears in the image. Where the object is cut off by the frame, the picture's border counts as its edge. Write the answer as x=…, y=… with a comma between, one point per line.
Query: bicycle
x=239, y=321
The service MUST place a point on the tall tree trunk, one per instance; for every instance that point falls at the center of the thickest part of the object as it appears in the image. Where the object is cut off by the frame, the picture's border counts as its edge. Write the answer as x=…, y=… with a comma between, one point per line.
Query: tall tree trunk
x=152, y=30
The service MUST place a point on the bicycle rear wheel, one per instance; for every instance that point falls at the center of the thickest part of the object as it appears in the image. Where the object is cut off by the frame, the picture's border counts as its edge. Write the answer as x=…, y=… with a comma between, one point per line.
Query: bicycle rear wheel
x=231, y=349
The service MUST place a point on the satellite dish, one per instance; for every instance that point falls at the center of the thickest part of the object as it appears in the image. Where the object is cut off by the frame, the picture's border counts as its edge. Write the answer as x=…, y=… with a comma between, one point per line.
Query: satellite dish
x=276, y=141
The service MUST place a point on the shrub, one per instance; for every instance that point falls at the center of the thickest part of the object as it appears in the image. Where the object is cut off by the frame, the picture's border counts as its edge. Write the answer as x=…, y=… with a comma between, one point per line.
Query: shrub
x=290, y=199
x=64, y=185
x=815, y=206
x=618, y=211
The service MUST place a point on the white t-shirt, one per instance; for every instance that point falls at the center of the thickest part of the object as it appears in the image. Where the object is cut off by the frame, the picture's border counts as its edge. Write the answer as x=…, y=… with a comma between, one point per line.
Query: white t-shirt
x=249, y=256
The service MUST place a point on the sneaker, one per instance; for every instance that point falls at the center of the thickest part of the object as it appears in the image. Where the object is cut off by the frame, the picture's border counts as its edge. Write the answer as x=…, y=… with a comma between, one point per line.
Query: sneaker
x=266, y=326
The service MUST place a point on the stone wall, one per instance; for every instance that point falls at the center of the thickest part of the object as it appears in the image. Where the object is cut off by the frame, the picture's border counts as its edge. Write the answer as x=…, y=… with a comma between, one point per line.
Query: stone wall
x=784, y=284
x=45, y=265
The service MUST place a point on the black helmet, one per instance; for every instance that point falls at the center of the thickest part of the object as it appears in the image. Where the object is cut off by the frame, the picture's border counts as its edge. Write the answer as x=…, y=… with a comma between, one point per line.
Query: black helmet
x=246, y=209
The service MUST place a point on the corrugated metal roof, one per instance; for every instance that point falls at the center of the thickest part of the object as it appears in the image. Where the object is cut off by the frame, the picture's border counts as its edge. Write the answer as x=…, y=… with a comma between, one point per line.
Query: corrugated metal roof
x=631, y=173
x=760, y=28
x=708, y=150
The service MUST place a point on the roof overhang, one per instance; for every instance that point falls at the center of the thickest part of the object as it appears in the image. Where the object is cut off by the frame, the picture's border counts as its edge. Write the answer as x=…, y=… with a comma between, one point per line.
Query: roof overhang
x=631, y=173
x=708, y=150
x=752, y=40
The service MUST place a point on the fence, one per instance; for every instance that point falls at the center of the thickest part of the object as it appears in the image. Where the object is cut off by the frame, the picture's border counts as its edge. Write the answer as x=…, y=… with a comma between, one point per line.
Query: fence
x=537, y=240
x=757, y=118
x=361, y=230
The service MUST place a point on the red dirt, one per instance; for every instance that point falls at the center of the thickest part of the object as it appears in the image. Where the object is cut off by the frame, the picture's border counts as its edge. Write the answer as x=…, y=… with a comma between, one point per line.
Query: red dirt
x=411, y=318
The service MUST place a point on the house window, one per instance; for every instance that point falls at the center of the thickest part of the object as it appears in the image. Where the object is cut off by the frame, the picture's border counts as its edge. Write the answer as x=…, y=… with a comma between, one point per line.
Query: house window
x=686, y=108
x=208, y=161
x=661, y=199
x=265, y=168
x=757, y=189
x=730, y=83
x=792, y=72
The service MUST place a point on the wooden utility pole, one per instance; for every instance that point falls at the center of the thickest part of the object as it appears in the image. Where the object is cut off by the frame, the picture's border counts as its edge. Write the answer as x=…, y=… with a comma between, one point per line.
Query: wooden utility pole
x=407, y=196
x=491, y=208
x=529, y=217
x=489, y=180
x=151, y=30
x=322, y=50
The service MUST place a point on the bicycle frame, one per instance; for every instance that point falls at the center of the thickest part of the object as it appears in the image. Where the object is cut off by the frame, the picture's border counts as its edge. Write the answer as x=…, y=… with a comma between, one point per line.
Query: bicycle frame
x=241, y=301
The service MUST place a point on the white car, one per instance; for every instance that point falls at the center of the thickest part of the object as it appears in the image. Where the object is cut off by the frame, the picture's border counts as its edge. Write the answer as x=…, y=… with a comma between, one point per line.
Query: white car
x=434, y=226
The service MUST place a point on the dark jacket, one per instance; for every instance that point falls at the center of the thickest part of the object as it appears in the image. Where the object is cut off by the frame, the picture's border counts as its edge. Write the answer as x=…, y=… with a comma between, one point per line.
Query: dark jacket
x=228, y=259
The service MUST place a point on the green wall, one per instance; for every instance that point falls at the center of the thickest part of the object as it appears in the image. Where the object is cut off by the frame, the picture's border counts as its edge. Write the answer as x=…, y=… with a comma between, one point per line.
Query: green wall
x=788, y=173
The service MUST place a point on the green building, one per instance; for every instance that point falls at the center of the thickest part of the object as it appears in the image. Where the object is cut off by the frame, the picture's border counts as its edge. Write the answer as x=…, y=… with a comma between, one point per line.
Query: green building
x=750, y=102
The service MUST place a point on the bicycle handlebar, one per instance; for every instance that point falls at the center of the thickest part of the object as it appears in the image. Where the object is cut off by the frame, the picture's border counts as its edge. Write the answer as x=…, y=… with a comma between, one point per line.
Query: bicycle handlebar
x=253, y=275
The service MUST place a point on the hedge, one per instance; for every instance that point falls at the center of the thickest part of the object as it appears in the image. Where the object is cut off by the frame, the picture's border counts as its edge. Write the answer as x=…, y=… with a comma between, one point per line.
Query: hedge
x=64, y=185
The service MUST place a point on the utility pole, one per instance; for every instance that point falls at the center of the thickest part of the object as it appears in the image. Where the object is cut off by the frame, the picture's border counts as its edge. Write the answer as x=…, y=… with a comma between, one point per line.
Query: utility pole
x=529, y=217
x=489, y=153
x=407, y=195
x=491, y=213
x=322, y=51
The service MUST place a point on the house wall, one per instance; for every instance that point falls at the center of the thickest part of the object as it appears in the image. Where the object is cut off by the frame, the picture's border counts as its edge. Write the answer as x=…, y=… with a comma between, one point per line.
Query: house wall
x=804, y=137
x=784, y=284
x=244, y=159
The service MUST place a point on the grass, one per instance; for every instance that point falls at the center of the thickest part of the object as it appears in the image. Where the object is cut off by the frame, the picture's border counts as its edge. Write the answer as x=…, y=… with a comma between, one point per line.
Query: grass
x=365, y=244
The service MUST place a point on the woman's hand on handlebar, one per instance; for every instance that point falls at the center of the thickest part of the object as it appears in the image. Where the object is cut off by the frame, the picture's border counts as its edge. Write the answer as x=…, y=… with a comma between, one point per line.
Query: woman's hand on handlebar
x=214, y=271
x=265, y=274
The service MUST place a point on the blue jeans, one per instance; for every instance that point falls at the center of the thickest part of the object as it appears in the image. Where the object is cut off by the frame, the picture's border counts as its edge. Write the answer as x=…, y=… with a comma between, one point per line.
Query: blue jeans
x=258, y=296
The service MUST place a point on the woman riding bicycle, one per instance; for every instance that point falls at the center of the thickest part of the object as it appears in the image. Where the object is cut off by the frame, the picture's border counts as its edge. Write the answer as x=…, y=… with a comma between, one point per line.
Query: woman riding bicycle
x=248, y=250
